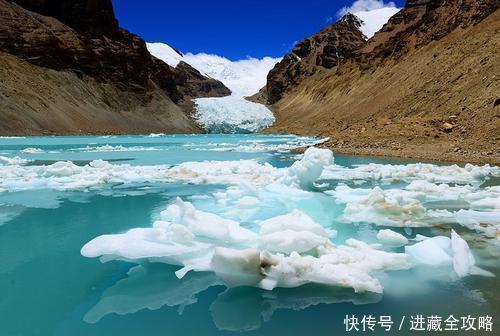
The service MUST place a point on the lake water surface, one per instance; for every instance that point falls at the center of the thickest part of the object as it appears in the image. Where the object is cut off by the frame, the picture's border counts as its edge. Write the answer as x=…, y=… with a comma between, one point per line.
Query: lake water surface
x=49, y=212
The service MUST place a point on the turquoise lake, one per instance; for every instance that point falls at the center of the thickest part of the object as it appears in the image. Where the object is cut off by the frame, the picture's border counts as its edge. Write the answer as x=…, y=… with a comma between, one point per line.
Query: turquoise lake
x=49, y=288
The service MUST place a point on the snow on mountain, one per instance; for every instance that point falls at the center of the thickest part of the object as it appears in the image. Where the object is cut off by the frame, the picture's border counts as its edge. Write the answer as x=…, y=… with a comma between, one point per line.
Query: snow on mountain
x=233, y=114
x=244, y=77
x=373, y=13
x=375, y=19
x=166, y=53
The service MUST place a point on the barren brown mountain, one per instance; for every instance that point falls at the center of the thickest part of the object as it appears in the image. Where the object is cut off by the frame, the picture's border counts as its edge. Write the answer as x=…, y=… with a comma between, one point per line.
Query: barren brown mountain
x=67, y=68
x=426, y=86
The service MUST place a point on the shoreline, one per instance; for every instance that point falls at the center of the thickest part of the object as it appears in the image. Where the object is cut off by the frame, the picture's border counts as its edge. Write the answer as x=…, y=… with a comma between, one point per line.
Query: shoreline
x=425, y=152
x=450, y=158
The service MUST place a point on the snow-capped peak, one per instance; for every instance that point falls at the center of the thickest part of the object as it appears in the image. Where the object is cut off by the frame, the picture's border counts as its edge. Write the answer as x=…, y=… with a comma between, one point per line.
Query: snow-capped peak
x=243, y=77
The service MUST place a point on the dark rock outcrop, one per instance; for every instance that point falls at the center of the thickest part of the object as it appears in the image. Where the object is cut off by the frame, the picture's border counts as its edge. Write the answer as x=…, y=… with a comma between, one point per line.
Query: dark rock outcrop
x=419, y=23
x=325, y=50
x=93, y=17
x=83, y=37
x=422, y=21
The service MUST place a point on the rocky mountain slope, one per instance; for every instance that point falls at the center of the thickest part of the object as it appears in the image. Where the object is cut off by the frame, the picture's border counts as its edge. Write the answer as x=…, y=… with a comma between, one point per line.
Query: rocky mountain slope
x=67, y=67
x=327, y=49
x=426, y=86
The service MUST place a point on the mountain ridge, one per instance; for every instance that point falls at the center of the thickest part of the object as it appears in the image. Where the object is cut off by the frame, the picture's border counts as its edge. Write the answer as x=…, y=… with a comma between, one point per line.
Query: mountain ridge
x=100, y=55
x=411, y=90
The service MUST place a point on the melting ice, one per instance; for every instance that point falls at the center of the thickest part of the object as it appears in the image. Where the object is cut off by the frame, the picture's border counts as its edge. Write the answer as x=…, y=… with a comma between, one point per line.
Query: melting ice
x=243, y=243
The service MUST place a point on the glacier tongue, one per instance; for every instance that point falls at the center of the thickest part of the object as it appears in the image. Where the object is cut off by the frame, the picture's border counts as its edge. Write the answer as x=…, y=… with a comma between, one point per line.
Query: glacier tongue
x=233, y=114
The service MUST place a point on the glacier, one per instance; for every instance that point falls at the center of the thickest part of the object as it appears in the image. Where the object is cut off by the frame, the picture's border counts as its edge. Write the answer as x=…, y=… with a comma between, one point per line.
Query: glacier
x=232, y=114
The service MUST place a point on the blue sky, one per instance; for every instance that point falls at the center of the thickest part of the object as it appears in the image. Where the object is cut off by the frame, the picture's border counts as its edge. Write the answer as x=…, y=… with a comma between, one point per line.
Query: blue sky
x=231, y=28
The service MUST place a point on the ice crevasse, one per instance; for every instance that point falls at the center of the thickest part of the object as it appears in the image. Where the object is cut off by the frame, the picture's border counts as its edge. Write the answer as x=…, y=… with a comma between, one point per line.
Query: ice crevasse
x=288, y=250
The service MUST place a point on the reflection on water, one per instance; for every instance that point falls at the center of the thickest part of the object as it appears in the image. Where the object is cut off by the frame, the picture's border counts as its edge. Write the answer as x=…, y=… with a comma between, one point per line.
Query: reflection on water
x=152, y=286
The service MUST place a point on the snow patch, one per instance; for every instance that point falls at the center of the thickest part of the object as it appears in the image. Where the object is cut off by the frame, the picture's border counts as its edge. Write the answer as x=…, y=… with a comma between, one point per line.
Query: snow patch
x=374, y=14
x=166, y=53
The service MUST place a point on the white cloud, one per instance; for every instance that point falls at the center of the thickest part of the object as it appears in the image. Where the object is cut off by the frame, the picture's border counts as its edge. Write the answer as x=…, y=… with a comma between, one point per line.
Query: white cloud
x=244, y=77
x=366, y=5
x=374, y=13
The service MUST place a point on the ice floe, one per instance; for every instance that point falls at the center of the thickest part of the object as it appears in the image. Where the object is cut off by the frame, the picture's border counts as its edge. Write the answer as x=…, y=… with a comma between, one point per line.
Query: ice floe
x=406, y=207
x=65, y=175
x=387, y=173
x=307, y=170
x=16, y=160
x=239, y=238
x=391, y=237
x=200, y=241
x=118, y=148
x=32, y=150
x=257, y=146
x=443, y=251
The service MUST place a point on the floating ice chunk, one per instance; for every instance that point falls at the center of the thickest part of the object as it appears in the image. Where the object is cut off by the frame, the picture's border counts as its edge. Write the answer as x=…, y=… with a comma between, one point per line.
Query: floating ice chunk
x=31, y=150
x=118, y=148
x=391, y=238
x=201, y=241
x=237, y=267
x=155, y=135
x=420, y=237
x=143, y=243
x=294, y=232
x=205, y=224
x=463, y=260
x=410, y=172
x=258, y=145
x=295, y=221
x=488, y=202
x=225, y=172
x=429, y=191
x=345, y=266
x=288, y=241
x=442, y=251
x=434, y=251
x=305, y=172
x=487, y=222
x=13, y=160
x=62, y=169
x=382, y=208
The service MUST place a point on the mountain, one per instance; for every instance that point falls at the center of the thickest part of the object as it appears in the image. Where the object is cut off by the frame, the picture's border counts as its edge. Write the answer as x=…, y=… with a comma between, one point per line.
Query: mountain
x=231, y=114
x=325, y=50
x=425, y=86
x=67, y=67
x=244, y=77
